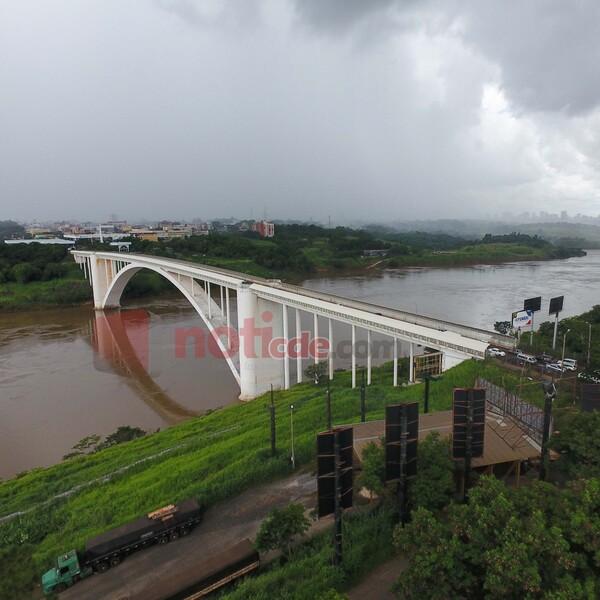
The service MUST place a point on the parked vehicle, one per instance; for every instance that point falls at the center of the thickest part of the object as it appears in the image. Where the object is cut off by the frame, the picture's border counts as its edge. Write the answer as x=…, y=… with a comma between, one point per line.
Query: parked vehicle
x=496, y=352
x=568, y=363
x=108, y=549
x=526, y=358
x=553, y=368
x=544, y=358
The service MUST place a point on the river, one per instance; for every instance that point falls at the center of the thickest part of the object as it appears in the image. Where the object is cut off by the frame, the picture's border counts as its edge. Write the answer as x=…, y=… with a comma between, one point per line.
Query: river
x=67, y=374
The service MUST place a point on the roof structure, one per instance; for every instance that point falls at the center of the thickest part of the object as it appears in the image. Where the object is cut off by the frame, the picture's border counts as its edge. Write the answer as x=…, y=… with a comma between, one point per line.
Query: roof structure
x=504, y=441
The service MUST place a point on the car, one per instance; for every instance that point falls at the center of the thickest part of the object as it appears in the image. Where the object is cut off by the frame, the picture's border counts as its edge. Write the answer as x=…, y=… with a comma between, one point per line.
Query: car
x=568, y=363
x=496, y=352
x=526, y=358
x=544, y=358
x=553, y=368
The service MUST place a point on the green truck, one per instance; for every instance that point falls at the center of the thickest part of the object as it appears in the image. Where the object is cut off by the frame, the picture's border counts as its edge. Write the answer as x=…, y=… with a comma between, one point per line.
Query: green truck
x=108, y=549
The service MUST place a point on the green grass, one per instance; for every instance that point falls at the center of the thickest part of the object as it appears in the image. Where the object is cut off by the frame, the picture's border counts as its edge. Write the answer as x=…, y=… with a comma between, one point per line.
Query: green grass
x=367, y=542
x=44, y=294
x=217, y=462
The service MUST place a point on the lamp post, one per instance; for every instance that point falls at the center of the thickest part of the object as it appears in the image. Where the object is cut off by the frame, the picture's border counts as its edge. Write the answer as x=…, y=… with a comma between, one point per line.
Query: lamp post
x=563, y=352
x=292, y=428
x=589, y=343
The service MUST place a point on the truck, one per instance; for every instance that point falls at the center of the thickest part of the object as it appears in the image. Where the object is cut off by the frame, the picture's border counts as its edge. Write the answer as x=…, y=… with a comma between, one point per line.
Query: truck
x=109, y=548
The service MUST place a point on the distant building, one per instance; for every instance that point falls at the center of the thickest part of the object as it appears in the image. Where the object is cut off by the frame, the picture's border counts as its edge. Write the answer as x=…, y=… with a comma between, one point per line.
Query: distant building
x=264, y=228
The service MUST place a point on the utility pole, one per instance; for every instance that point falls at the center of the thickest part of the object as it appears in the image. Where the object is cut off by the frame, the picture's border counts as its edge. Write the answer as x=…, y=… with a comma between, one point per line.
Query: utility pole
x=292, y=429
x=272, y=412
x=549, y=393
x=363, y=399
x=328, y=401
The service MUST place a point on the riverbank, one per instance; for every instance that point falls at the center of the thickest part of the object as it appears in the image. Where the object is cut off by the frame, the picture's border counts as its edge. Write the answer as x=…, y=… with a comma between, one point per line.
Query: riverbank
x=74, y=290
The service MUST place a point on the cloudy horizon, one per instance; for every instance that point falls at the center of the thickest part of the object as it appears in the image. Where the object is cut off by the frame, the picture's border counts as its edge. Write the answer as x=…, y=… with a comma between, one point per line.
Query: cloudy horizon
x=384, y=110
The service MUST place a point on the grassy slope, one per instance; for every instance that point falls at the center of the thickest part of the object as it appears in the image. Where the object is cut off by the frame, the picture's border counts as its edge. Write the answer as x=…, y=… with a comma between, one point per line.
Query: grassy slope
x=210, y=467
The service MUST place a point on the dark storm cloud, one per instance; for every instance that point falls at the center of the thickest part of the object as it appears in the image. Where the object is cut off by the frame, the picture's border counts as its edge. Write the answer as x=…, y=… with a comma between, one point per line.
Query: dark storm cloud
x=339, y=15
x=548, y=51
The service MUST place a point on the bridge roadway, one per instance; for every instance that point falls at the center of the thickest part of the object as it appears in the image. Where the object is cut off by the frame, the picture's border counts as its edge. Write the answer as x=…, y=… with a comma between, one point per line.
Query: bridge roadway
x=109, y=272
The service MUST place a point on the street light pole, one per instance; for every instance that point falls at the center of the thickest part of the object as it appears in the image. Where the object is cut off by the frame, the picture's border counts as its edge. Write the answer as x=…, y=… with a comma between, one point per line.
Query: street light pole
x=589, y=343
x=563, y=352
x=292, y=428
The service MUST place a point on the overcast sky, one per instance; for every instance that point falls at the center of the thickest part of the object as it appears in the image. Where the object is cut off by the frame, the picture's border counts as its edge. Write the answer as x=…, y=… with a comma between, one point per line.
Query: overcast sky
x=356, y=109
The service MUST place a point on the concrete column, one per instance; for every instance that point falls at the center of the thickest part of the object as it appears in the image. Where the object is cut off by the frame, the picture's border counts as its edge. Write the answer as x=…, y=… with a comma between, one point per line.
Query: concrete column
x=286, y=337
x=395, y=362
x=227, y=313
x=353, y=356
x=369, y=356
x=330, y=325
x=221, y=290
x=299, y=357
x=411, y=359
x=316, y=333
x=99, y=287
x=260, y=322
x=208, y=300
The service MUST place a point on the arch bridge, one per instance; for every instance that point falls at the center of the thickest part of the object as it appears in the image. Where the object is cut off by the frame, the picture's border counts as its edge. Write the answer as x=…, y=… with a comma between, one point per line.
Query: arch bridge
x=256, y=323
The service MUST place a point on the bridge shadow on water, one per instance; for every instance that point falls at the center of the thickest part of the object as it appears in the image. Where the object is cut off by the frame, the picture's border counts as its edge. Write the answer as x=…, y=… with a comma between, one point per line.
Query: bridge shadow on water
x=120, y=340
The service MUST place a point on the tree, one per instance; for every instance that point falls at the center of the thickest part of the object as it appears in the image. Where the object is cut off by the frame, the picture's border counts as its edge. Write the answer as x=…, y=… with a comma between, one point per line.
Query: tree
x=434, y=485
x=93, y=443
x=502, y=327
x=278, y=530
x=316, y=372
x=540, y=542
x=372, y=473
x=578, y=444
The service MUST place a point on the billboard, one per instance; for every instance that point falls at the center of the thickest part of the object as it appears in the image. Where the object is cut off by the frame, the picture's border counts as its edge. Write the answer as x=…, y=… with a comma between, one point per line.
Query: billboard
x=522, y=318
x=556, y=305
x=467, y=400
x=533, y=304
x=326, y=469
x=393, y=440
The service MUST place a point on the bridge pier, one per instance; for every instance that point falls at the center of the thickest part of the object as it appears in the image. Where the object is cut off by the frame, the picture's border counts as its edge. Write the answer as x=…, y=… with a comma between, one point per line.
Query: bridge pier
x=262, y=328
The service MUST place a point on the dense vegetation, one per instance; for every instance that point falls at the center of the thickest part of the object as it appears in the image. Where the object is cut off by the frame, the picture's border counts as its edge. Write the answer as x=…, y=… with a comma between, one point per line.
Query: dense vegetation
x=39, y=275
x=10, y=229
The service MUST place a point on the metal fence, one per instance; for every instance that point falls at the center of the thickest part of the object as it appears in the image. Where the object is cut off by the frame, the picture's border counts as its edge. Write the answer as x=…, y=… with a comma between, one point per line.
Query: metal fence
x=528, y=417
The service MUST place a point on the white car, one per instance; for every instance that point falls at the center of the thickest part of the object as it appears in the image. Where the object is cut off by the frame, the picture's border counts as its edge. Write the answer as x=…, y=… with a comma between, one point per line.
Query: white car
x=568, y=363
x=496, y=352
x=554, y=368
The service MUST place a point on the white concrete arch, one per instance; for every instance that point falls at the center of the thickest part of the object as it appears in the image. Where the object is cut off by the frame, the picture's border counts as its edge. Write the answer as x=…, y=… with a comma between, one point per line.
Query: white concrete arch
x=194, y=294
